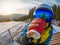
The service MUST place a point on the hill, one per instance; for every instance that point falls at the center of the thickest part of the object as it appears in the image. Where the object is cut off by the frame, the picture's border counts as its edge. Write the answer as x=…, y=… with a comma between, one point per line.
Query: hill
x=10, y=17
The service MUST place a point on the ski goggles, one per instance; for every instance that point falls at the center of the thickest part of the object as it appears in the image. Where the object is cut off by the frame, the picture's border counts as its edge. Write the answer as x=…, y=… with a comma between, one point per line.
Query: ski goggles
x=43, y=12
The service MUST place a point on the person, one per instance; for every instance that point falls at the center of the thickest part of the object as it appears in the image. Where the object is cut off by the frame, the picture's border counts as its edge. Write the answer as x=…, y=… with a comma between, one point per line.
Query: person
x=31, y=37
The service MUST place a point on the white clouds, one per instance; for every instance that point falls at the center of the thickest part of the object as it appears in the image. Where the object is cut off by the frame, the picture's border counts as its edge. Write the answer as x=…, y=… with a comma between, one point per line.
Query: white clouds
x=24, y=4
x=41, y=1
x=12, y=4
x=16, y=4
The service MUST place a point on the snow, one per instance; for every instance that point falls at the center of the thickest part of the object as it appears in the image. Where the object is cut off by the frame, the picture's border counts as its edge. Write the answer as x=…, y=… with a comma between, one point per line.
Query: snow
x=14, y=43
x=56, y=29
x=14, y=27
x=6, y=25
x=10, y=25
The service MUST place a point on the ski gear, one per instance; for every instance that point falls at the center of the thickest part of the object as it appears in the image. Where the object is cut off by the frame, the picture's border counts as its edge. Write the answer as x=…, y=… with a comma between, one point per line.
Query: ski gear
x=43, y=11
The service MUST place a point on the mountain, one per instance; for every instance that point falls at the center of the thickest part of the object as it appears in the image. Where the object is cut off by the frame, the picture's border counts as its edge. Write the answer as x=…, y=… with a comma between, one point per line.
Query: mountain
x=16, y=15
x=11, y=16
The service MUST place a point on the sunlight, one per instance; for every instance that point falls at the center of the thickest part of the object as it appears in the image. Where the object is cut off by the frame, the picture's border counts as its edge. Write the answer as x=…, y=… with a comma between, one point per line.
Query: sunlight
x=7, y=10
x=13, y=7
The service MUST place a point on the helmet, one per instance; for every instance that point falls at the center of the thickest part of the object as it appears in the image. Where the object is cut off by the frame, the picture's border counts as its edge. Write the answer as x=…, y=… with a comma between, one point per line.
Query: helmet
x=43, y=11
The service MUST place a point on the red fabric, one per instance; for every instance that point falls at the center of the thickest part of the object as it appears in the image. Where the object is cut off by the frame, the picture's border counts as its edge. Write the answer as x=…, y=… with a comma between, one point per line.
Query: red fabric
x=38, y=25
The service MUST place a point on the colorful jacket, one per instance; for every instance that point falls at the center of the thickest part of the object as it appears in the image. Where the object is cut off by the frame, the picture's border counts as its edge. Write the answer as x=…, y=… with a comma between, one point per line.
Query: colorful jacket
x=46, y=36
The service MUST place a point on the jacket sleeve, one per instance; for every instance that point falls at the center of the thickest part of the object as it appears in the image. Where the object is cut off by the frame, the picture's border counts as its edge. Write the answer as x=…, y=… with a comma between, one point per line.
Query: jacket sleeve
x=49, y=38
x=24, y=32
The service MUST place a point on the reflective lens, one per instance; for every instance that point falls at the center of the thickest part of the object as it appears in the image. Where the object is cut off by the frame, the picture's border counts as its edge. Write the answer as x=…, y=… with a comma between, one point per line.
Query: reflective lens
x=43, y=13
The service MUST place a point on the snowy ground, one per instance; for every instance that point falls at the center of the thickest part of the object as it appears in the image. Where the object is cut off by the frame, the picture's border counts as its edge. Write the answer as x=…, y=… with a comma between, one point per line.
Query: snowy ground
x=13, y=26
x=14, y=43
x=56, y=29
x=6, y=25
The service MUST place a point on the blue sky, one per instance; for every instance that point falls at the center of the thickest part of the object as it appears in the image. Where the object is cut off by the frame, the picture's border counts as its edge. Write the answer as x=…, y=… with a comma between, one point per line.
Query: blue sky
x=22, y=5
x=58, y=1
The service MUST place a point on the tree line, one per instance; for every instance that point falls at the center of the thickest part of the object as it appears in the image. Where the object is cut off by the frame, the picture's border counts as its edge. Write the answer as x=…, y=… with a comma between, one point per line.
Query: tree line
x=29, y=16
x=56, y=13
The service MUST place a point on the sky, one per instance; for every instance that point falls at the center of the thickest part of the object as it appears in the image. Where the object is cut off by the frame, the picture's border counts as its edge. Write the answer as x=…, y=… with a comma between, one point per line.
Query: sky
x=21, y=6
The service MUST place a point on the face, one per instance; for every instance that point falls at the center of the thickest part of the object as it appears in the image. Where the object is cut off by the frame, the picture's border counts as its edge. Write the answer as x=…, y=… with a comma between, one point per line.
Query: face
x=29, y=34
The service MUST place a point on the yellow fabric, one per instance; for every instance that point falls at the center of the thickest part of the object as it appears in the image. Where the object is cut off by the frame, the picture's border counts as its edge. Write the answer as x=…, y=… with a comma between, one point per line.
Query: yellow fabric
x=46, y=25
x=34, y=40
x=45, y=35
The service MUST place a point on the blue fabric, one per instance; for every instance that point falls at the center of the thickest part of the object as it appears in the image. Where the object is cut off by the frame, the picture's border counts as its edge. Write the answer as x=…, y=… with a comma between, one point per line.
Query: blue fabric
x=46, y=42
x=49, y=38
x=24, y=32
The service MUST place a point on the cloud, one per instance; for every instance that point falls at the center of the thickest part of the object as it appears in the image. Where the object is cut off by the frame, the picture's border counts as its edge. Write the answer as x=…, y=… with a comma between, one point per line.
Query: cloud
x=25, y=4
x=51, y=2
x=16, y=4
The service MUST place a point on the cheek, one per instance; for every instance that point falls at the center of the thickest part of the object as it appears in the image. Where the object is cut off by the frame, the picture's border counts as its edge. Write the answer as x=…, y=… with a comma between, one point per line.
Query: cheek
x=29, y=33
